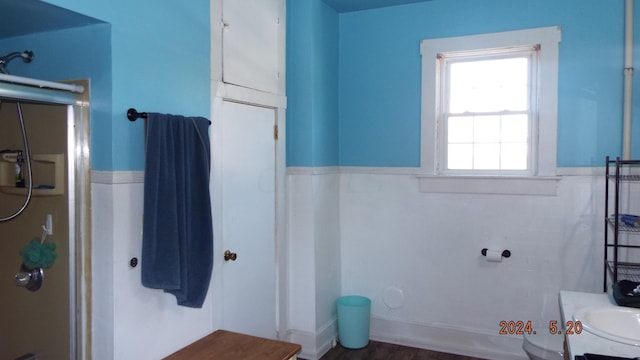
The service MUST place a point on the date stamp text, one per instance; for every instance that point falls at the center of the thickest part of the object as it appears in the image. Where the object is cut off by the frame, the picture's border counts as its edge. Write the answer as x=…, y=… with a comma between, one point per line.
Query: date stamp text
x=519, y=327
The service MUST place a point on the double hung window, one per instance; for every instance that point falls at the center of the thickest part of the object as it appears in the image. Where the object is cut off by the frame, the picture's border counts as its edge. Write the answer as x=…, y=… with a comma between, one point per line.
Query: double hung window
x=487, y=122
x=489, y=104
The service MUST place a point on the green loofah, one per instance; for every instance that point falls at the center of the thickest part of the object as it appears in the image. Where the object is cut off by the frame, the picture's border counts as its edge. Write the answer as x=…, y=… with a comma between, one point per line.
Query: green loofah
x=37, y=255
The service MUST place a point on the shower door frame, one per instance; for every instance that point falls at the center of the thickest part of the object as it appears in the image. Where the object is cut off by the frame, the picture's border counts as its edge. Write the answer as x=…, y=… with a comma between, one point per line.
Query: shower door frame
x=79, y=187
x=79, y=204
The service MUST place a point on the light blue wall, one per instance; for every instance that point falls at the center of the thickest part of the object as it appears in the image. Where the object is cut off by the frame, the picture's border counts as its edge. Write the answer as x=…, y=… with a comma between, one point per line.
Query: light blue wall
x=160, y=58
x=57, y=56
x=379, y=75
x=325, y=74
x=312, y=84
x=299, y=84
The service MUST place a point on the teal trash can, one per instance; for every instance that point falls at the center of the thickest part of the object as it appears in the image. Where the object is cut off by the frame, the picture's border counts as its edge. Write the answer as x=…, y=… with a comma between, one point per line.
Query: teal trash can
x=353, y=321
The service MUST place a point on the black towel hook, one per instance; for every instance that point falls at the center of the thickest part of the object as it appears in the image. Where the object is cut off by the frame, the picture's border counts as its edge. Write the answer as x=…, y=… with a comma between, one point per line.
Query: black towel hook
x=133, y=114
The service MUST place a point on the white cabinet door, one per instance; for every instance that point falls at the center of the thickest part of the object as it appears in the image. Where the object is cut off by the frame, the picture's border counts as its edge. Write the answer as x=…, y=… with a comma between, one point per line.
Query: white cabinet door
x=251, y=49
x=248, y=219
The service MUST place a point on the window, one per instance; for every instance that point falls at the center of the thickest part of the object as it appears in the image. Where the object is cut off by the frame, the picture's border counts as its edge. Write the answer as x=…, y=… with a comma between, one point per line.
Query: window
x=486, y=120
x=489, y=104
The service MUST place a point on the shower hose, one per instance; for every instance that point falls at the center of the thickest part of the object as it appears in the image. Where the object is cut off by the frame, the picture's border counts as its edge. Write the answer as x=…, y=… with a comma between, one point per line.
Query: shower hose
x=28, y=162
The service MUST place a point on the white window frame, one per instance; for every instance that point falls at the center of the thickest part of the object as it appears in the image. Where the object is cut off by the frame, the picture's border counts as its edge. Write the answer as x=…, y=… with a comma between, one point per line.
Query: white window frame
x=544, y=168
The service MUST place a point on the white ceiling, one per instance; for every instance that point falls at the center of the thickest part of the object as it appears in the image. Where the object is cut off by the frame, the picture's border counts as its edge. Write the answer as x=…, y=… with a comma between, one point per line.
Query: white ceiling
x=356, y=5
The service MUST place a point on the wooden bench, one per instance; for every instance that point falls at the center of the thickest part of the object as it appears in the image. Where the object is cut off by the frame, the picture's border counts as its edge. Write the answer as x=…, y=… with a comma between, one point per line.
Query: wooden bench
x=223, y=345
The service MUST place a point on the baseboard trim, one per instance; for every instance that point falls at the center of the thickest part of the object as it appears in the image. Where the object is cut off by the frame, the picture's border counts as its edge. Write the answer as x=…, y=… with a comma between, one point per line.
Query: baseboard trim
x=314, y=345
x=452, y=340
x=306, y=340
x=327, y=337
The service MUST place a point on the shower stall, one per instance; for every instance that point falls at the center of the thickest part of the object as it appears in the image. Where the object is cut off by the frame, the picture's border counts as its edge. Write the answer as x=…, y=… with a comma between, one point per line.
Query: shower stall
x=45, y=202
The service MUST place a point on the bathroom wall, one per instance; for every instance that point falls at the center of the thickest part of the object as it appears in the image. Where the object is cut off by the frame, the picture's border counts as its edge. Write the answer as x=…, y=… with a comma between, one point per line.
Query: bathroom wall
x=34, y=322
x=423, y=249
x=154, y=57
x=429, y=247
x=417, y=256
x=312, y=73
x=379, y=76
x=313, y=205
x=141, y=52
x=144, y=323
x=159, y=60
x=58, y=57
x=380, y=73
x=315, y=261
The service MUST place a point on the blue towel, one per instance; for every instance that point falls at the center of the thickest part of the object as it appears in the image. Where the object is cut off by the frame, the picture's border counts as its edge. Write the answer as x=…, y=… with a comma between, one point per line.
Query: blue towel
x=177, y=240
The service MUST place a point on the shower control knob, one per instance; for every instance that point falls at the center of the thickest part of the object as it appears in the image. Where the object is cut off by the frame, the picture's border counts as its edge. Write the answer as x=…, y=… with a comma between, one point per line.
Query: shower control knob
x=228, y=255
x=30, y=279
x=22, y=279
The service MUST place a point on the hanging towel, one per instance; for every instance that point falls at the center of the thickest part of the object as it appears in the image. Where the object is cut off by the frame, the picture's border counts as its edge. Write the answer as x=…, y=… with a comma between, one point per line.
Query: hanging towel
x=177, y=240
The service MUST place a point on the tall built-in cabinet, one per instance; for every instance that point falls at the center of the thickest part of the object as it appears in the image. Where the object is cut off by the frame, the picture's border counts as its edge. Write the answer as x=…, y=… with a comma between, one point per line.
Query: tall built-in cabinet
x=248, y=105
x=622, y=227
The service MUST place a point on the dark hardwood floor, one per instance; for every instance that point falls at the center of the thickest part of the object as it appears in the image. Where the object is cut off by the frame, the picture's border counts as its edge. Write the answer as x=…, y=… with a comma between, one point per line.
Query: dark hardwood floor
x=383, y=351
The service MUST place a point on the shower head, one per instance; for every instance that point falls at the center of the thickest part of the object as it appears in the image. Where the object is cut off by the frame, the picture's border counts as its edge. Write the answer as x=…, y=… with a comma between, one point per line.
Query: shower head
x=26, y=56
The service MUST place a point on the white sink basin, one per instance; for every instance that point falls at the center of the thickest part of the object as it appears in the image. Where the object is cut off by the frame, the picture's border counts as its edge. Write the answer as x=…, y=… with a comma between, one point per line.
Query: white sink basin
x=617, y=323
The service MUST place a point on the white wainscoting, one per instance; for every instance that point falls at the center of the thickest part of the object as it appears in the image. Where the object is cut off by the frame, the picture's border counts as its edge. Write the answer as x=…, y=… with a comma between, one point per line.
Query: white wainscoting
x=314, y=259
x=446, y=339
x=130, y=321
x=428, y=246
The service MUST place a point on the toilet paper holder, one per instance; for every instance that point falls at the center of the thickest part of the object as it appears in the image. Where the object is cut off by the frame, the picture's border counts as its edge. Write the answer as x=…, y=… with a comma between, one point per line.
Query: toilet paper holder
x=505, y=253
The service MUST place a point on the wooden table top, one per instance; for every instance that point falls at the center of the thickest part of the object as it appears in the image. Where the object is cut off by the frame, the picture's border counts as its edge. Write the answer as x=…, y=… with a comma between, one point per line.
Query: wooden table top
x=223, y=345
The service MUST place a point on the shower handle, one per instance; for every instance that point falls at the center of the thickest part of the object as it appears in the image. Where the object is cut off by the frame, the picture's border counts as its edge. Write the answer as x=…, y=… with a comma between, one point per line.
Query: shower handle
x=30, y=279
x=22, y=279
x=228, y=255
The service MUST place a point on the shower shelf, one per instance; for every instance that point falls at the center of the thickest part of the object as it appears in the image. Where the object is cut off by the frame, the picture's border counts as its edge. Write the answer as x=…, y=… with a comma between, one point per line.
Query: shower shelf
x=52, y=164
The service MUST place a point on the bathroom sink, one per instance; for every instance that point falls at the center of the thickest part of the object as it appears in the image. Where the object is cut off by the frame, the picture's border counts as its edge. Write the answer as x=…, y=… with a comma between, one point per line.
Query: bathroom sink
x=617, y=323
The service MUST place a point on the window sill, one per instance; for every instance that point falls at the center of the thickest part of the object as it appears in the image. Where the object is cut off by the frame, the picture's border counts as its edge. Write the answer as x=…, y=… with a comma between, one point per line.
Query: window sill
x=544, y=186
